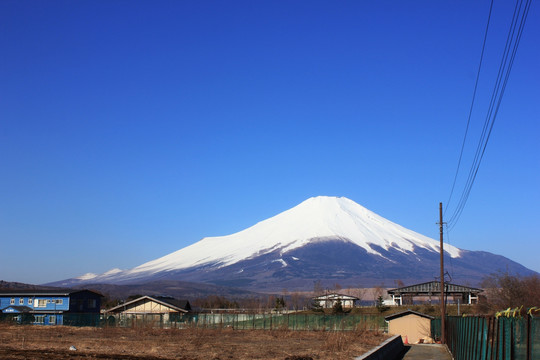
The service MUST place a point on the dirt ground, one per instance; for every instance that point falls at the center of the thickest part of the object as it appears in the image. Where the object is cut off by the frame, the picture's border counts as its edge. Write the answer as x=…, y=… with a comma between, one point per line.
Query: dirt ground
x=48, y=342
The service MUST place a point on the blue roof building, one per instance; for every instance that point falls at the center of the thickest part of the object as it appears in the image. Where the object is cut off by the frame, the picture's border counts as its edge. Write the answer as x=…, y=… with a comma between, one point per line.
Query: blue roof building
x=48, y=307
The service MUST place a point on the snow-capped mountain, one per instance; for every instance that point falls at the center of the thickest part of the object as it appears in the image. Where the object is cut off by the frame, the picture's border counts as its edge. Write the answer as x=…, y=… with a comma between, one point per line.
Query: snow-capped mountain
x=91, y=276
x=324, y=238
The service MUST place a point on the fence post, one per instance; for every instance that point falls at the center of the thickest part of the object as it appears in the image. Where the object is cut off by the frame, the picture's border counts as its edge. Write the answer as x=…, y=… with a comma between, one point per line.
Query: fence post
x=501, y=339
x=475, y=342
x=486, y=339
x=496, y=340
x=466, y=337
x=461, y=329
x=528, y=334
x=512, y=338
x=474, y=338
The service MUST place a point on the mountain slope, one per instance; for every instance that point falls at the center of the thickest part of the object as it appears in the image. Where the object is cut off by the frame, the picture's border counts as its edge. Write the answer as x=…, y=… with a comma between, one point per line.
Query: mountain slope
x=323, y=238
x=172, y=288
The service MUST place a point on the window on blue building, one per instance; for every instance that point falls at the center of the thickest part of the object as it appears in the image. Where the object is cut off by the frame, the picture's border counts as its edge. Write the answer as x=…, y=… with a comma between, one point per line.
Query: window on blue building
x=12, y=301
x=21, y=301
x=52, y=319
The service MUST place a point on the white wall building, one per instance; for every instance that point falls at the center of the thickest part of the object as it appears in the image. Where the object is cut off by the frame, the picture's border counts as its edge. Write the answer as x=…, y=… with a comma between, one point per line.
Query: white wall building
x=329, y=300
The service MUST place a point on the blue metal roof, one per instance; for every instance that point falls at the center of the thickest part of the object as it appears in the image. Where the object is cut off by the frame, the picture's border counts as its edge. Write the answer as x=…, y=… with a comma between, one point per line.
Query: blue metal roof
x=15, y=309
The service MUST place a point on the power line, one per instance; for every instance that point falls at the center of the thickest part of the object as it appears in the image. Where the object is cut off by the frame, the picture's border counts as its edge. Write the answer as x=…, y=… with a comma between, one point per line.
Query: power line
x=496, y=98
x=450, y=257
x=515, y=33
x=472, y=106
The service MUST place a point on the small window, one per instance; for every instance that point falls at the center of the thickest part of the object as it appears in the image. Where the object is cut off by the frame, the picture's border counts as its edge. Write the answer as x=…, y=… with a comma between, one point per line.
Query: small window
x=41, y=303
x=30, y=301
x=91, y=303
x=52, y=319
x=21, y=301
x=39, y=319
x=12, y=301
x=59, y=301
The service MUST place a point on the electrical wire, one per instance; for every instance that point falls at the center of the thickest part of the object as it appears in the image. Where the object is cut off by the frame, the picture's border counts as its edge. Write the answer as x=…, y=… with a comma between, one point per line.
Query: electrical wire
x=500, y=86
x=450, y=256
x=512, y=43
x=472, y=105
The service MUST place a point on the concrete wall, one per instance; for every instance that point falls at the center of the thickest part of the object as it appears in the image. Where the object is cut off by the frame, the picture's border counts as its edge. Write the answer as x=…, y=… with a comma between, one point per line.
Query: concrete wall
x=391, y=349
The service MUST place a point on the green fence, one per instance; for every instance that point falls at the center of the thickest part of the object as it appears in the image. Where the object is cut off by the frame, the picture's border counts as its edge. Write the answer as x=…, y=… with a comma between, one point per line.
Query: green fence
x=244, y=321
x=489, y=338
x=69, y=319
x=240, y=321
x=287, y=321
x=17, y=318
x=95, y=320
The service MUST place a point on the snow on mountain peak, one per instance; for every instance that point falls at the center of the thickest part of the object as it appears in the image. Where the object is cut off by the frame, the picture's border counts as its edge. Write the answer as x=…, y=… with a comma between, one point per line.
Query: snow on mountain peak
x=112, y=271
x=87, y=276
x=321, y=217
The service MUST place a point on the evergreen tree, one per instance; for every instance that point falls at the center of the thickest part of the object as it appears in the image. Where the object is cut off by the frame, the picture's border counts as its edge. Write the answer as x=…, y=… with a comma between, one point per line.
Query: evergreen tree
x=280, y=303
x=316, y=306
x=380, y=305
x=337, y=308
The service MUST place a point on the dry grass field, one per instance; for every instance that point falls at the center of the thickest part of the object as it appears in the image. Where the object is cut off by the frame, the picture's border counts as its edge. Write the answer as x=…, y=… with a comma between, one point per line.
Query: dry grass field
x=48, y=342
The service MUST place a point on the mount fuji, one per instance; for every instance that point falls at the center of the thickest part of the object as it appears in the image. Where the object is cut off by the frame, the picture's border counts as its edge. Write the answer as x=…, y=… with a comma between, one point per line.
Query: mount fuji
x=327, y=239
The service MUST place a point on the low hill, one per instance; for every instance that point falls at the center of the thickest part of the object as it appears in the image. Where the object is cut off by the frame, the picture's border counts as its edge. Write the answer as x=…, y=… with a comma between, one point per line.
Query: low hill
x=172, y=288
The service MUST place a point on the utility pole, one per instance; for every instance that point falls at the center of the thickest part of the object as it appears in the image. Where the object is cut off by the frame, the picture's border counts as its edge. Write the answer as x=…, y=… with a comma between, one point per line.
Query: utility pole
x=443, y=305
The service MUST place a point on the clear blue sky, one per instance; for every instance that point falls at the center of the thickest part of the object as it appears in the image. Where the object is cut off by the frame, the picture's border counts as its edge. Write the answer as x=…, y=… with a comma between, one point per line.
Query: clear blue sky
x=131, y=129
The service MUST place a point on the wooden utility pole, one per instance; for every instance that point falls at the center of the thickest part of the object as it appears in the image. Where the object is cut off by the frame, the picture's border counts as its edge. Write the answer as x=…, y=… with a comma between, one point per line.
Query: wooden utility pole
x=443, y=305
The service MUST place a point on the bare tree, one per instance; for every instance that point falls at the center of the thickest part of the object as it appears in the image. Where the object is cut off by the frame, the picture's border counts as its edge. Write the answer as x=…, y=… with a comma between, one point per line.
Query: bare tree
x=378, y=291
x=360, y=293
x=271, y=302
x=285, y=295
x=295, y=300
x=504, y=290
x=317, y=288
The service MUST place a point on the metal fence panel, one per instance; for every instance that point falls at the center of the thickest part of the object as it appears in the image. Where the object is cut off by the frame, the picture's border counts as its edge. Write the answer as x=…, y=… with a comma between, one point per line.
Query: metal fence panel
x=240, y=321
x=485, y=338
x=534, y=338
x=287, y=321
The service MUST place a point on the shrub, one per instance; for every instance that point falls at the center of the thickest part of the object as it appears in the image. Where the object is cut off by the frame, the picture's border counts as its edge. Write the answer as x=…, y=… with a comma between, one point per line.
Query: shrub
x=337, y=308
x=504, y=290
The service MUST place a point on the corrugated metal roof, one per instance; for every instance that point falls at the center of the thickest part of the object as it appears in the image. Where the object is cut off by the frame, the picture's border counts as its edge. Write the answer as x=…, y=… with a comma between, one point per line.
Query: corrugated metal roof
x=434, y=287
x=18, y=308
x=335, y=296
